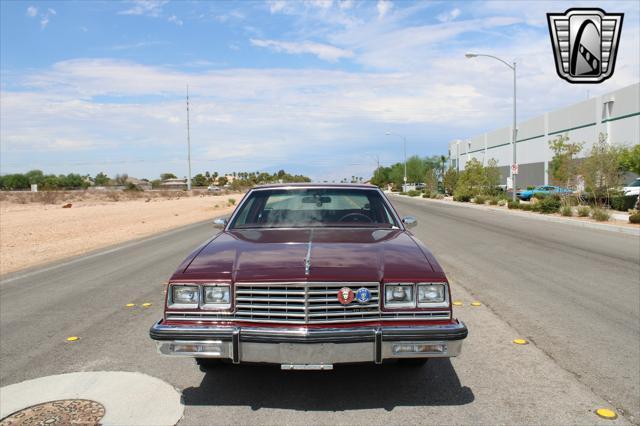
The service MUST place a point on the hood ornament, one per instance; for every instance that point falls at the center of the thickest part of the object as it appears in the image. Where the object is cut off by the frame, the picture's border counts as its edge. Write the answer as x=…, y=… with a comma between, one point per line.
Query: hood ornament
x=307, y=260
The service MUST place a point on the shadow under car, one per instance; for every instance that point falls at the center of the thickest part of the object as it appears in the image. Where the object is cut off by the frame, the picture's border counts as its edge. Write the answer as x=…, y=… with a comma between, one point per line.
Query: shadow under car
x=347, y=387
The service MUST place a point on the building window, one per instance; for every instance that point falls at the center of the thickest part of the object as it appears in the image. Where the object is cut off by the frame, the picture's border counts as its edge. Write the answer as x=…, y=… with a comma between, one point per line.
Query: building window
x=607, y=108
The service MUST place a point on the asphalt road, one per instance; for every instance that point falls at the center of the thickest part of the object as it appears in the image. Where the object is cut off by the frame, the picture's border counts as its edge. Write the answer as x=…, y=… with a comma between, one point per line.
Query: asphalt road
x=573, y=292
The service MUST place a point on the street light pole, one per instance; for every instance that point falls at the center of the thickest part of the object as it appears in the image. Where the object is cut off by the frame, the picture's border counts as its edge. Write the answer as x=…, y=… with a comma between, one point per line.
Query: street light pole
x=514, y=129
x=515, y=134
x=188, y=143
x=404, y=140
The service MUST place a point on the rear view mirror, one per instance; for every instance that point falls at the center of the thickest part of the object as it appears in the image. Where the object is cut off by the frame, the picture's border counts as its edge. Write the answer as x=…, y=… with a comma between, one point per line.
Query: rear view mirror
x=409, y=221
x=220, y=223
x=317, y=200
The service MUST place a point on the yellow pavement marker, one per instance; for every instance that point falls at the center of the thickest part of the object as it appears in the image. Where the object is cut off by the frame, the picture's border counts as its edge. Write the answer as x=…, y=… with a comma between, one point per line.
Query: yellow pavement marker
x=605, y=413
x=521, y=342
x=146, y=305
x=457, y=303
x=130, y=305
x=476, y=304
x=72, y=338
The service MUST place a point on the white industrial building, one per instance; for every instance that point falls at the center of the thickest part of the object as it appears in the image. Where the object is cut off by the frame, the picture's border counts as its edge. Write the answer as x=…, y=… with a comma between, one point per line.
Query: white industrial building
x=616, y=114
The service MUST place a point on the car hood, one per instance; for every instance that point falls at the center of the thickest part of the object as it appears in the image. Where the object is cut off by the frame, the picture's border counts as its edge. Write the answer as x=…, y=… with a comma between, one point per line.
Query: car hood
x=335, y=255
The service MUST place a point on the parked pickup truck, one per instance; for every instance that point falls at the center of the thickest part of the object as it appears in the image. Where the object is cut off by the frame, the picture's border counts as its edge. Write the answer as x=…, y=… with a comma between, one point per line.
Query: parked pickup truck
x=307, y=276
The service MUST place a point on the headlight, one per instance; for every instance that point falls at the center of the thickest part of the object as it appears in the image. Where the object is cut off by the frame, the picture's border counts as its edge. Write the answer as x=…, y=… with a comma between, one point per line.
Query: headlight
x=217, y=296
x=399, y=296
x=431, y=293
x=186, y=296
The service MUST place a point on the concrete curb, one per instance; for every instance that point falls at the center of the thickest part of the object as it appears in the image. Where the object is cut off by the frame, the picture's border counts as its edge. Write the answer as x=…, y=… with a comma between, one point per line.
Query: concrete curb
x=127, y=397
x=536, y=216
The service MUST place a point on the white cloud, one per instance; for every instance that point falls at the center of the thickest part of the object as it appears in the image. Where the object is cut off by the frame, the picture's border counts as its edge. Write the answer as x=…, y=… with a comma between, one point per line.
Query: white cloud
x=145, y=7
x=44, y=19
x=345, y=4
x=383, y=6
x=321, y=4
x=137, y=45
x=32, y=11
x=449, y=16
x=175, y=20
x=276, y=6
x=323, y=51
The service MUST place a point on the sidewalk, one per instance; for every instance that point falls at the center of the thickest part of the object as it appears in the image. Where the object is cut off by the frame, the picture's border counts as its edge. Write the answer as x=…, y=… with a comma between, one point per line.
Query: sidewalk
x=628, y=228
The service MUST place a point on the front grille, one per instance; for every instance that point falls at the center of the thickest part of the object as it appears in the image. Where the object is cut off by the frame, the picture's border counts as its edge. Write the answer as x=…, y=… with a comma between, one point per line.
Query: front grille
x=304, y=303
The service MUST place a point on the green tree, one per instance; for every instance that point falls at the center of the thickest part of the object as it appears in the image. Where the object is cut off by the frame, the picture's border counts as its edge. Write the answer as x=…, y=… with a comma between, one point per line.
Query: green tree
x=563, y=167
x=222, y=181
x=35, y=177
x=165, y=176
x=101, y=179
x=472, y=181
x=601, y=169
x=630, y=159
x=200, y=180
x=381, y=176
x=416, y=169
x=450, y=180
x=431, y=181
x=492, y=177
x=15, y=181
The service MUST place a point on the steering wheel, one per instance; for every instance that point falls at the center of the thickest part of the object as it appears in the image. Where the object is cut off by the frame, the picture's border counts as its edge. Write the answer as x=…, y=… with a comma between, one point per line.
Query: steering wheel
x=354, y=217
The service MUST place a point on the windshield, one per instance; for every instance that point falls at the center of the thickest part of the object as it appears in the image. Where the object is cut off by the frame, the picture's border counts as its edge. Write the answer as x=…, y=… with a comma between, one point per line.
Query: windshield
x=320, y=207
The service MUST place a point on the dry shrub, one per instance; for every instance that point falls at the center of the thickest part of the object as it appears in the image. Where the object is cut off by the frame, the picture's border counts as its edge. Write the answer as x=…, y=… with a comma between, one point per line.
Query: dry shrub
x=112, y=196
x=49, y=197
x=22, y=198
x=134, y=195
x=600, y=215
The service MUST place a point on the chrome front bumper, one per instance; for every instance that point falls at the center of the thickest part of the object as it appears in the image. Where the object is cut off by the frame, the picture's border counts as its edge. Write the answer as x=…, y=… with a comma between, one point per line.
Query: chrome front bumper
x=299, y=347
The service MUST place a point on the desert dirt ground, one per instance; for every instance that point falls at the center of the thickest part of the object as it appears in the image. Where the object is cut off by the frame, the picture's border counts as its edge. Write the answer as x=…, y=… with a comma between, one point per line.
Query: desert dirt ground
x=35, y=229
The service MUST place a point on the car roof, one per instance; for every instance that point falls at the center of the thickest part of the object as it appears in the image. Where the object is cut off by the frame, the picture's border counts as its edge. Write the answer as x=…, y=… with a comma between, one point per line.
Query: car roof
x=316, y=185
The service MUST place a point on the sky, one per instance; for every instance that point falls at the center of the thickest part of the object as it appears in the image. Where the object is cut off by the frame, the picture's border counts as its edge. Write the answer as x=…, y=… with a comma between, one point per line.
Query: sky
x=311, y=87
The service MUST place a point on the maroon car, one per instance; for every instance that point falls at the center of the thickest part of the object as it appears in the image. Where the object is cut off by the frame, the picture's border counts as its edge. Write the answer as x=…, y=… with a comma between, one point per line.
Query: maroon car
x=308, y=276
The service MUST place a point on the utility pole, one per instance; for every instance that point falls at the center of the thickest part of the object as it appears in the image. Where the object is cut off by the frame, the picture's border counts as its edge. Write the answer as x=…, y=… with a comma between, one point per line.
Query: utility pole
x=188, y=143
x=404, y=144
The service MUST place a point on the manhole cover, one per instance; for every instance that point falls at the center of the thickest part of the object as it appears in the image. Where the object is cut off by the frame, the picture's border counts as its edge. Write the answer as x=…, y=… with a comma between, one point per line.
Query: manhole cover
x=63, y=412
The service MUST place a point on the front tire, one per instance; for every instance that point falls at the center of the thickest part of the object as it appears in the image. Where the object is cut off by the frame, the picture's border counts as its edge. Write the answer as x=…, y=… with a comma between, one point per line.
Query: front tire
x=205, y=364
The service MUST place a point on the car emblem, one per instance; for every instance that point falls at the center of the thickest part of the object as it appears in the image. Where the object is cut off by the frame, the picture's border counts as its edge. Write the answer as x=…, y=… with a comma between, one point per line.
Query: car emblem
x=585, y=43
x=345, y=295
x=363, y=295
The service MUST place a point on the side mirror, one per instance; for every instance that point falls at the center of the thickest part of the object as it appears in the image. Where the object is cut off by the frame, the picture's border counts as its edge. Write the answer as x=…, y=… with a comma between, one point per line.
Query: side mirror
x=409, y=221
x=220, y=223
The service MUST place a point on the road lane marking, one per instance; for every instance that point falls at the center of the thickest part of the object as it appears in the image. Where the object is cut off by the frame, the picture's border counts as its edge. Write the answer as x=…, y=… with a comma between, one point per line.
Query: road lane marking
x=520, y=342
x=605, y=413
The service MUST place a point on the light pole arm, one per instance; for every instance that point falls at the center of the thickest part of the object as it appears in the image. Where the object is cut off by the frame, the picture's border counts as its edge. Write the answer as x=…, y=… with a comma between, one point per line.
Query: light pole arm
x=497, y=59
